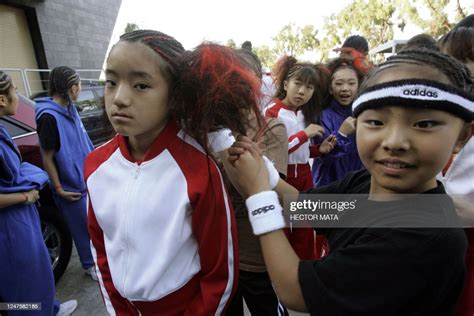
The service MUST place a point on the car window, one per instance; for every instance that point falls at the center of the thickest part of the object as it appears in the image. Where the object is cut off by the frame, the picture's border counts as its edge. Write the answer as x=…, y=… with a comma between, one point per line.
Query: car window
x=86, y=101
x=100, y=92
x=14, y=129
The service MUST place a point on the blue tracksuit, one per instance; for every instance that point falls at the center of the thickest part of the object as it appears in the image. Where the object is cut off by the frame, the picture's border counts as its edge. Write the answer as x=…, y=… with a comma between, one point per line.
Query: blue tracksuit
x=25, y=265
x=75, y=146
x=344, y=157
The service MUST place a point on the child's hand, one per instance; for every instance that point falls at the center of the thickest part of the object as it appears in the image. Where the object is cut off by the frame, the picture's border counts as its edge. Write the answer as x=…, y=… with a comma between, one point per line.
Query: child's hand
x=70, y=196
x=314, y=130
x=348, y=126
x=246, y=168
x=328, y=144
x=242, y=144
x=33, y=196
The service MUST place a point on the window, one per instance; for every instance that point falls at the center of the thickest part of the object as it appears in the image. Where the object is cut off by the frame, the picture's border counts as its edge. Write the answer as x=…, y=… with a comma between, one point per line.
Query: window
x=86, y=101
x=13, y=129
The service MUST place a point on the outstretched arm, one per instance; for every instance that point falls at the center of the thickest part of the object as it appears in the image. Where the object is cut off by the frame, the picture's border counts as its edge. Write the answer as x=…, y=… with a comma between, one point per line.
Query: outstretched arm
x=250, y=175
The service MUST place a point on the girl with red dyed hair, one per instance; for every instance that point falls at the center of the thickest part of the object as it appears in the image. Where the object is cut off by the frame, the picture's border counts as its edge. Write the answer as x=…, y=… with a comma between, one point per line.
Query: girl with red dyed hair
x=301, y=92
x=160, y=220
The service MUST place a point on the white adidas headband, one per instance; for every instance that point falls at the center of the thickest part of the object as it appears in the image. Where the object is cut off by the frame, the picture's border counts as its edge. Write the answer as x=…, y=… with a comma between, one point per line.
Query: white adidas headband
x=417, y=93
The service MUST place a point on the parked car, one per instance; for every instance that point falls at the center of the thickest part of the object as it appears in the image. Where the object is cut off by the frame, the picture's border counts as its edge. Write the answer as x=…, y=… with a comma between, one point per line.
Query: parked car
x=90, y=105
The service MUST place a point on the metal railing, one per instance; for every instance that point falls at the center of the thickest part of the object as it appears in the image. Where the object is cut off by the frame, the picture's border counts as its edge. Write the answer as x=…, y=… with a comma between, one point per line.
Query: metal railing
x=32, y=81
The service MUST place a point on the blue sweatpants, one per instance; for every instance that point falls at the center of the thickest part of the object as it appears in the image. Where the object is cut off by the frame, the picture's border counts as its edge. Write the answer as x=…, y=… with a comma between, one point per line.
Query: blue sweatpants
x=25, y=265
x=75, y=215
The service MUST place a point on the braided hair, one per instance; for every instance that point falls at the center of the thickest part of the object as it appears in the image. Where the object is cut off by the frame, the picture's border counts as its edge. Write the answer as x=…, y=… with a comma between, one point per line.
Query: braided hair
x=456, y=72
x=5, y=83
x=164, y=45
x=61, y=79
x=288, y=68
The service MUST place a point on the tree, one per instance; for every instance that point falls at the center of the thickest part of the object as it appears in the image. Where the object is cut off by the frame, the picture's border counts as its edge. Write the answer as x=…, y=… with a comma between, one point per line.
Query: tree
x=438, y=23
x=369, y=18
x=266, y=55
x=231, y=43
x=294, y=41
x=131, y=27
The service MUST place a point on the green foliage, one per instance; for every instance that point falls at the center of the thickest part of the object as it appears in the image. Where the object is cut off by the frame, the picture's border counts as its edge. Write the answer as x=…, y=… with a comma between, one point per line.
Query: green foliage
x=131, y=27
x=266, y=55
x=231, y=43
x=372, y=19
x=294, y=41
x=438, y=22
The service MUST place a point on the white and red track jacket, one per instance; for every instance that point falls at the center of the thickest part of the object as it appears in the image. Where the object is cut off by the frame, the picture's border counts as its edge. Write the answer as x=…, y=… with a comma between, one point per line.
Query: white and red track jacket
x=299, y=147
x=162, y=230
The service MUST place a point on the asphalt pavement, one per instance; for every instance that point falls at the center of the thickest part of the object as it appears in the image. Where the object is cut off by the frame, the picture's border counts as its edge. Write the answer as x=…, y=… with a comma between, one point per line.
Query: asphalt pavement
x=75, y=284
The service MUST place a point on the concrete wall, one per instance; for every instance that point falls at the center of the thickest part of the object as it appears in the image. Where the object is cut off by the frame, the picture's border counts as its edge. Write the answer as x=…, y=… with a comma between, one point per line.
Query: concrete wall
x=74, y=33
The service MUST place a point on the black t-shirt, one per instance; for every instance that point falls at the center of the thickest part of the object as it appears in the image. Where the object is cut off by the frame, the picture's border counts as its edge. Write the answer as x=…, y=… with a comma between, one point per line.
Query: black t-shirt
x=48, y=134
x=384, y=271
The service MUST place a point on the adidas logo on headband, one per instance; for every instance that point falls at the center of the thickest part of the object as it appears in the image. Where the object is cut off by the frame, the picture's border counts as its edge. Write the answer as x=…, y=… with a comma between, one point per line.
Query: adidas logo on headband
x=416, y=93
x=423, y=92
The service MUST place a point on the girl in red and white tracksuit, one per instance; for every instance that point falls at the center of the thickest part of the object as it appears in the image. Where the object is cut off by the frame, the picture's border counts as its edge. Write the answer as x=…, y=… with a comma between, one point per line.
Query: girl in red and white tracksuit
x=160, y=220
x=302, y=89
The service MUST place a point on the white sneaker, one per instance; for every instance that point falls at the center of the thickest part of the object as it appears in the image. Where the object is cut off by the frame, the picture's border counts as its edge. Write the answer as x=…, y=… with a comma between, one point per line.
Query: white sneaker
x=67, y=308
x=91, y=272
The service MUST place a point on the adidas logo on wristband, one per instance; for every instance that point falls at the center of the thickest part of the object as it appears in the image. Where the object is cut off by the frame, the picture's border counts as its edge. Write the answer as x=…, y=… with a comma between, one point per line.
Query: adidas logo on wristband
x=263, y=210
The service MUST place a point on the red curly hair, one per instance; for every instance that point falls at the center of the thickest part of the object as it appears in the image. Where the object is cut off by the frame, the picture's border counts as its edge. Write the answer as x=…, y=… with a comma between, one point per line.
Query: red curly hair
x=213, y=89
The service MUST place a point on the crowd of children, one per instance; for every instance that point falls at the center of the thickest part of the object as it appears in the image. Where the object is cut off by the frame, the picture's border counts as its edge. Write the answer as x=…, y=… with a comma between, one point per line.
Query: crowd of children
x=180, y=213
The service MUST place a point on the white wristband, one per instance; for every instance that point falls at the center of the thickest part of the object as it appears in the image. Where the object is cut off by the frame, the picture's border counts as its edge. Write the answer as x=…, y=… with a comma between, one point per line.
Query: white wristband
x=342, y=134
x=265, y=212
x=273, y=174
x=220, y=140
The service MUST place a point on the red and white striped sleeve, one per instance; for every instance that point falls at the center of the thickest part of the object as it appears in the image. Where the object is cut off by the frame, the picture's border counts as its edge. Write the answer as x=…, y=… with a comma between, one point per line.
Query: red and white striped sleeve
x=296, y=140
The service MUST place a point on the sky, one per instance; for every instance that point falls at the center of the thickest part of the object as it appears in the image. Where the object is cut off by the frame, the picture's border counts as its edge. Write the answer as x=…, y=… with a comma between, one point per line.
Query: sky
x=191, y=22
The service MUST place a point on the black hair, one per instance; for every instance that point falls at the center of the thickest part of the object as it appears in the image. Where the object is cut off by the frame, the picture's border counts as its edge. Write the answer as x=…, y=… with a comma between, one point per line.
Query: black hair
x=164, y=45
x=468, y=21
x=357, y=42
x=5, y=83
x=61, y=79
x=250, y=60
x=340, y=63
x=288, y=68
x=422, y=41
x=456, y=72
x=459, y=43
x=247, y=45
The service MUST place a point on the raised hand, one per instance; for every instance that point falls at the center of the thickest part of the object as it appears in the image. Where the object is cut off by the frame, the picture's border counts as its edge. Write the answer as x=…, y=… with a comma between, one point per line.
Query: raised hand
x=328, y=144
x=348, y=126
x=314, y=130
